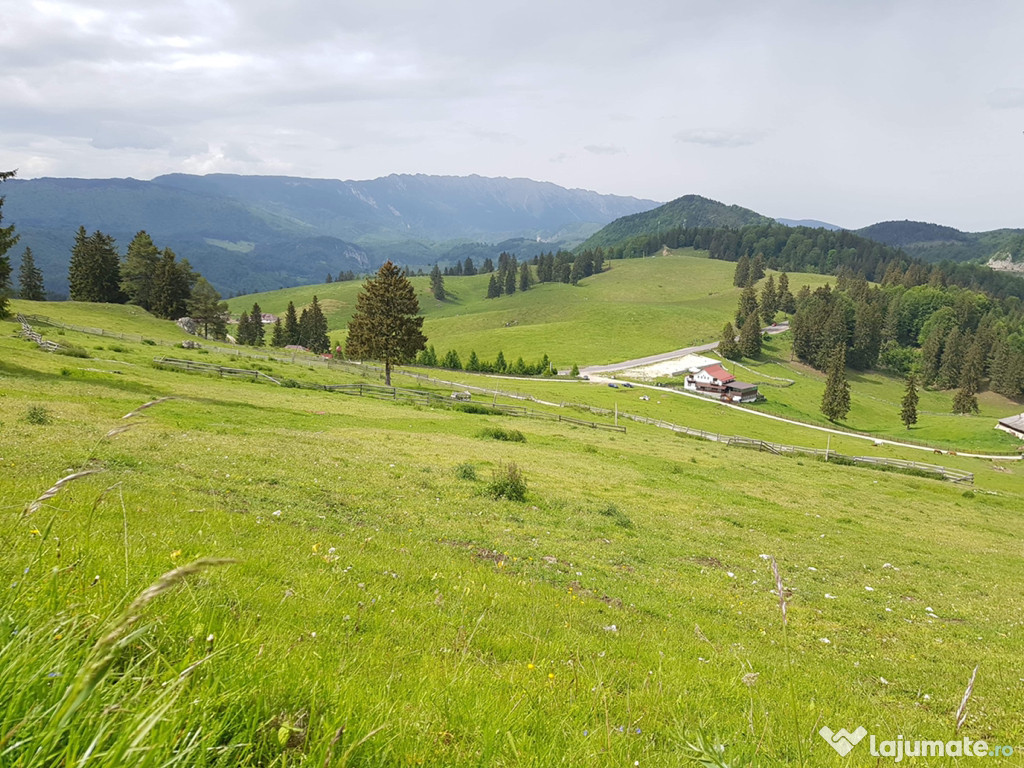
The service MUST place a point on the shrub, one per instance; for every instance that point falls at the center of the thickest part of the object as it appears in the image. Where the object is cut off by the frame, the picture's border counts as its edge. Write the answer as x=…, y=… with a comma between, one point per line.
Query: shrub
x=37, y=414
x=73, y=350
x=508, y=482
x=465, y=471
x=507, y=435
x=618, y=517
x=477, y=408
x=116, y=348
x=290, y=384
x=149, y=342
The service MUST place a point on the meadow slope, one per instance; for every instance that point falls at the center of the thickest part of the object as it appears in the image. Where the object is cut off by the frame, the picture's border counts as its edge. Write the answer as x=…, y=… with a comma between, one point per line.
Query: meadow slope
x=385, y=609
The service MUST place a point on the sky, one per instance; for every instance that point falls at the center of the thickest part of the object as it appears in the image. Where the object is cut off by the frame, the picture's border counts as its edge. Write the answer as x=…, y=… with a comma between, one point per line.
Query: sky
x=846, y=112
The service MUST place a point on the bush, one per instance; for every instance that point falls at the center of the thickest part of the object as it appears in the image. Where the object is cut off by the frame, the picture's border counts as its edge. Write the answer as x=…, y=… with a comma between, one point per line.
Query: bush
x=37, y=414
x=619, y=517
x=73, y=350
x=477, y=408
x=506, y=435
x=149, y=342
x=508, y=482
x=290, y=384
x=465, y=471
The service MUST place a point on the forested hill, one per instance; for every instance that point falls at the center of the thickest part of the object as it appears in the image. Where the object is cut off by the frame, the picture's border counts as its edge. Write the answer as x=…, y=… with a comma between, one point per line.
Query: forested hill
x=934, y=242
x=685, y=212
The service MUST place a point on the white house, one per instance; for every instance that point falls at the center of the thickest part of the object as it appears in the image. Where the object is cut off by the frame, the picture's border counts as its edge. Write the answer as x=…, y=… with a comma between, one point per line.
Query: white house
x=714, y=380
x=1013, y=425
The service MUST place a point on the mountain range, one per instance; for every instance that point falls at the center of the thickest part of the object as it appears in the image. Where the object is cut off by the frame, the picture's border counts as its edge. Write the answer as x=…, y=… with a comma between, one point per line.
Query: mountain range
x=255, y=233
x=252, y=233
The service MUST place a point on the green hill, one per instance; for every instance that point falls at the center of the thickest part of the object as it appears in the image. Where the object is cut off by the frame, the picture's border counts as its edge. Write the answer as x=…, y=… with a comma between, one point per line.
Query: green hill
x=636, y=307
x=686, y=211
x=933, y=242
x=384, y=607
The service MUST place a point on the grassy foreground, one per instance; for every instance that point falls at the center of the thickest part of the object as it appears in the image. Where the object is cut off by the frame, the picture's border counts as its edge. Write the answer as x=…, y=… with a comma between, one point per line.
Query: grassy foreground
x=384, y=609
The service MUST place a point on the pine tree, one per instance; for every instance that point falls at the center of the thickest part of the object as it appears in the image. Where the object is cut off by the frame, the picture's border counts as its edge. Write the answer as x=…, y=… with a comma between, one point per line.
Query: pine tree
x=575, y=372
x=756, y=269
x=207, y=309
x=313, y=328
x=835, y=403
x=499, y=362
x=525, y=277
x=172, y=286
x=973, y=369
x=739, y=277
x=747, y=306
x=291, y=326
x=487, y=267
x=437, y=283
x=473, y=364
x=509, y=286
x=138, y=272
x=769, y=301
x=452, y=361
x=728, y=347
x=953, y=354
x=30, y=279
x=467, y=268
x=750, y=337
x=94, y=272
x=277, y=338
x=908, y=407
x=965, y=402
x=787, y=303
x=386, y=325
x=493, y=291
x=8, y=239
x=258, y=334
x=243, y=333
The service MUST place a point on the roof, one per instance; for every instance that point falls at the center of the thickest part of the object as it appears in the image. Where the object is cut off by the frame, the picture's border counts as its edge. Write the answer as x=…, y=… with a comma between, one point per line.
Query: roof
x=719, y=373
x=741, y=386
x=1016, y=423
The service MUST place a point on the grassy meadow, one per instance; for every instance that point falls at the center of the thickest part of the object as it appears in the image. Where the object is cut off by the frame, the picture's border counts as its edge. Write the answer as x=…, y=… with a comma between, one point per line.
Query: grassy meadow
x=384, y=608
x=636, y=307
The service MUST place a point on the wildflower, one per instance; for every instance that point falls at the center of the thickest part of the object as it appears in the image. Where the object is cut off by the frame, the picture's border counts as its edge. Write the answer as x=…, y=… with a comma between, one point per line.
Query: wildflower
x=175, y=554
x=829, y=597
x=730, y=574
x=825, y=640
x=748, y=679
x=551, y=675
x=529, y=666
x=277, y=513
x=869, y=589
x=35, y=532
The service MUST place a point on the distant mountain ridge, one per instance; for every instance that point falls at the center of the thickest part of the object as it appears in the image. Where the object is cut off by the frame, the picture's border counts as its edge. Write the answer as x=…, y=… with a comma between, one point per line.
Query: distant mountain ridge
x=934, y=242
x=810, y=223
x=251, y=233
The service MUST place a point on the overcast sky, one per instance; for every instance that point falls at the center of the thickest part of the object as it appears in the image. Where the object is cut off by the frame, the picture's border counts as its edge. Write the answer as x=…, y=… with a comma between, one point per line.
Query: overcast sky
x=850, y=112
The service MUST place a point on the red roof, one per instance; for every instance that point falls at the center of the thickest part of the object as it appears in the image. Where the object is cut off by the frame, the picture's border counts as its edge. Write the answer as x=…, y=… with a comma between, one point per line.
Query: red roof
x=719, y=373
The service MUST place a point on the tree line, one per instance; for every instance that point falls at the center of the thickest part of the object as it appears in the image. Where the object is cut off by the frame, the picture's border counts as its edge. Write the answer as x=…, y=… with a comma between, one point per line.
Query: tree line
x=451, y=360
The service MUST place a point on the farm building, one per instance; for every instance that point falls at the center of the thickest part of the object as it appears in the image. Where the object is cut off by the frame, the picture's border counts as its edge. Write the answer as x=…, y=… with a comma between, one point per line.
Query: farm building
x=1014, y=425
x=714, y=380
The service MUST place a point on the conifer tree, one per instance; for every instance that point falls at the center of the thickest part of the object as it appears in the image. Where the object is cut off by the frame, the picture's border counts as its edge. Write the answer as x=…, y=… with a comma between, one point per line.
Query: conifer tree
x=756, y=269
x=835, y=402
x=278, y=338
x=313, y=328
x=243, y=333
x=291, y=326
x=8, y=239
x=473, y=364
x=172, y=286
x=138, y=272
x=493, y=291
x=452, y=361
x=30, y=279
x=386, y=325
x=728, y=347
x=747, y=306
x=739, y=277
x=965, y=402
x=437, y=283
x=525, y=277
x=510, y=280
x=257, y=334
x=953, y=354
x=575, y=372
x=750, y=337
x=488, y=266
x=499, y=362
x=467, y=268
x=207, y=309
x=787, y=303
x=769, y=301
x=908, y=407
x=94, y=270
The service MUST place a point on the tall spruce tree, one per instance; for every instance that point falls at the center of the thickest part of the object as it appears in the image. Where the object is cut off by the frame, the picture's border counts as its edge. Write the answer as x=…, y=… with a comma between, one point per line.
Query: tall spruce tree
x=756, y=269
x=509, y=286
x=277, y=338
x=386, y=325
x=493, y=290
x=243, y=333
x=525, y=277
x=728, y=347
x=291, y=326
x=742, y=272
x=8, y=239
x=258, y=332
x=313, y=328
x=138, y=271
x=94, y=273
x=30, y=279
x=747, y=306
x=908, y=407
x=769, y=301
x=750, y=336
x=787, y=302
x=835, y=402
x=965, y=401
x=437, y=283
x=207, y=309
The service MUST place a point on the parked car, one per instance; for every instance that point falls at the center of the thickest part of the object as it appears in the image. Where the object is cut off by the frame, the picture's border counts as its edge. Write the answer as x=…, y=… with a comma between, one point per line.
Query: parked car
x=613, y=386
x=627, y=385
